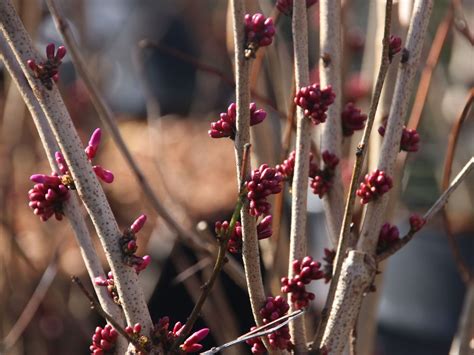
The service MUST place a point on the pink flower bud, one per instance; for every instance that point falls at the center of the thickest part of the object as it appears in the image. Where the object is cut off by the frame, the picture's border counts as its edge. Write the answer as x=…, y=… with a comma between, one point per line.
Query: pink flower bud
x=93, y=145
x=62, y=165
x=104, y=174
x=60, y=53
x=50, y=49
x=138, y=224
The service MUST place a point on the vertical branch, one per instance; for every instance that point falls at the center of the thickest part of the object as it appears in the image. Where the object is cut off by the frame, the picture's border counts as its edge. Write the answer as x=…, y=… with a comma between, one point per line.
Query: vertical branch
x=300, y=178
x=462, y=343
x=250, y=251
x=331, y=140
x=88, y=187
x=71, y=207
x=375, y=213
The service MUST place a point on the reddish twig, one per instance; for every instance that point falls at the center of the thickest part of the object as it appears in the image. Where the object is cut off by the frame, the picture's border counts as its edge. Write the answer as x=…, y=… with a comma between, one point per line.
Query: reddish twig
x=463, y=268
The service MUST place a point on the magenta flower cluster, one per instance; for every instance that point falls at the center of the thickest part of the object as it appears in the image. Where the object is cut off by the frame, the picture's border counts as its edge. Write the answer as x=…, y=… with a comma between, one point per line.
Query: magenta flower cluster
x=352, y=119
x=259, y=32
x=274, y=308
x=304, y=271
x=315, y=101
x=287, y=168
x=110, y=284
x=234, y=245
x=103, y=341
x=323, y=179
x=374, y=185
x=263, y=182
x=128, y=244
x=48, y=71
x=286, y=6
x=416, y=222
x=47, y=196
x=166, y=337
x=394, y=46
x=387, y=237
x=225, y=126
x=410, y=141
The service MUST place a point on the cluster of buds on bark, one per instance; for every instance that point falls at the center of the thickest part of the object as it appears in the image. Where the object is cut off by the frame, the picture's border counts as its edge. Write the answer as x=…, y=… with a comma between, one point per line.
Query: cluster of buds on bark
x=274, y=308
x=287, y=168
x=143, y=341
x=304, y=271
x=234, y=245
x=352, y=119
x=328, y=266
x=103, y=341
x=48, y=71
x=416, y=222
x=375, y=185
x=259, y=32
x=387, y=237
x=322, y=180
x=166, y=337
x=128, y=245
x=263, y=182
x=225, y=126
x=286, y=6
x=110, y=284
x=315, y=101
x=410, y=141
x=394, y=46
x=47, y=196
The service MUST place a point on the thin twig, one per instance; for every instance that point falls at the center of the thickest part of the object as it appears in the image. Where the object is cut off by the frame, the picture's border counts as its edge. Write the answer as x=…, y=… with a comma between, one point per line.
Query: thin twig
x=96, y=306
x=427, y=73
x=32, y=305
x=437, y=206
x=259, y=331
x=146, y=43
x=464, y=270
x=298, y=237
x=462, y=342
x=344, y=235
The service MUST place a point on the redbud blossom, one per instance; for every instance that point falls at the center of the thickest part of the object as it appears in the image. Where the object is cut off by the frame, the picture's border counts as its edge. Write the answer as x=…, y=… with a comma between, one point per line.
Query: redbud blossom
x=375, y=185
x=315, y=102
x=410, y=141
x=387, y=237
x=259, y=32
x=48, y=71
x=322, y=180
x=264, y=181
x=352, y=119
x=104, y=340
x=416, y=222
x=48, y=196
x=394, y=46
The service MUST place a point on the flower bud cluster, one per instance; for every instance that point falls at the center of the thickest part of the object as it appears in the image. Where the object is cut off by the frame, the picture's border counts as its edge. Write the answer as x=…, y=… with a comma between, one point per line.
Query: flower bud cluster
x=110, y=284
x=352, y=119
x=225, y=126
x=394, y=46
x=375, y=185
x=47, y=196
x=128, y=245
x=103, y=341
x=166, y=337
x=416, y=222
x=286, y=6
x=264, y=230
x=410, y=141
x=304, y=271
x=48, y=71
x=322, y=180
x=259, y=32
x=263, y=182
x=315, y=102
x=387, y=237
x=274, y=308
x=287, y=168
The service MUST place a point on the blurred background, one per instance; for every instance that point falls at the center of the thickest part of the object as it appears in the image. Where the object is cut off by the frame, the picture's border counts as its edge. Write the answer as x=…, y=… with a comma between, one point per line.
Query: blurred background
x=164, y=93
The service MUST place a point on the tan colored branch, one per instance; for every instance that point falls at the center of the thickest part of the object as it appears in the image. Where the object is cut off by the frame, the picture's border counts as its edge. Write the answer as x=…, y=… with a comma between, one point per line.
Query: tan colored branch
x=88, y=187
x=331, y=140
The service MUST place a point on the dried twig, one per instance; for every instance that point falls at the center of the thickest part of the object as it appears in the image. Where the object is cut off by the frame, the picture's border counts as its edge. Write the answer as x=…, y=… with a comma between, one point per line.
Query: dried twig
x=437, y=206
x=463, y=268
x=344, y=236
